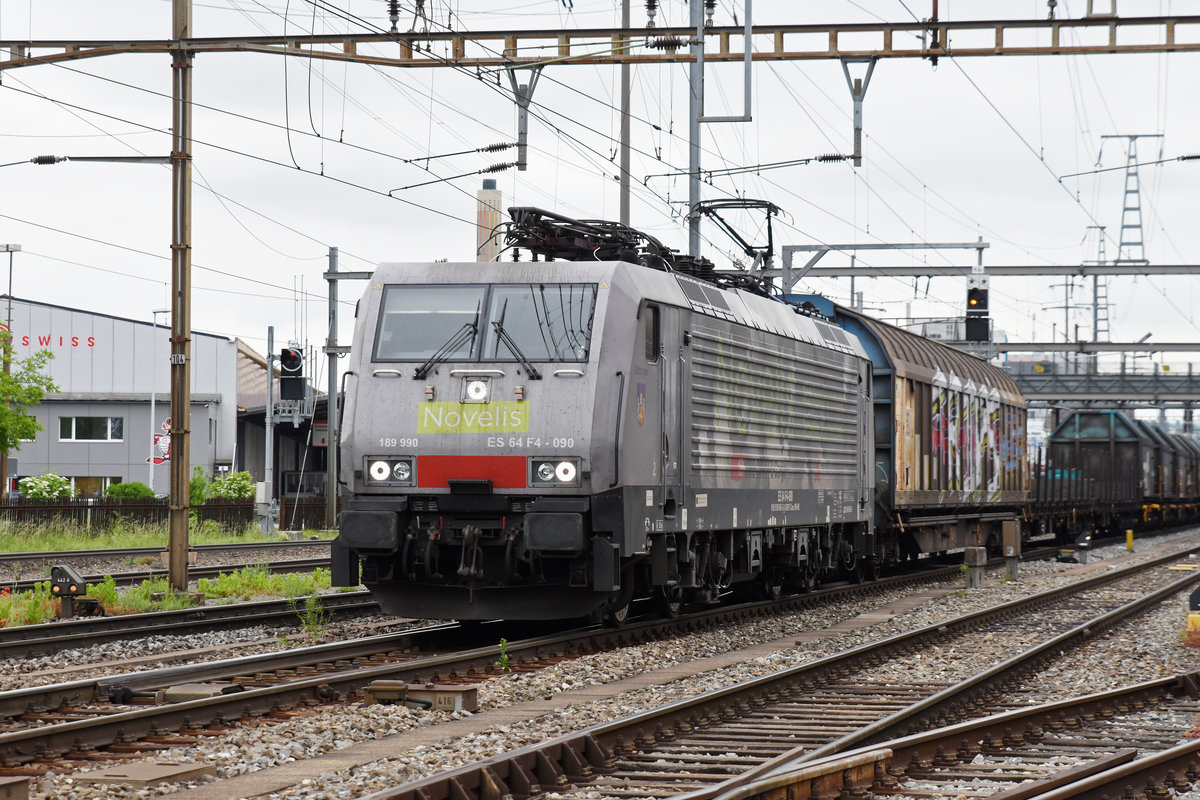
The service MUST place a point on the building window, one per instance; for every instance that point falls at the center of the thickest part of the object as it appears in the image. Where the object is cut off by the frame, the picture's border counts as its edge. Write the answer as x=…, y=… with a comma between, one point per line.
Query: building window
x=91, y=486
x=91, y=429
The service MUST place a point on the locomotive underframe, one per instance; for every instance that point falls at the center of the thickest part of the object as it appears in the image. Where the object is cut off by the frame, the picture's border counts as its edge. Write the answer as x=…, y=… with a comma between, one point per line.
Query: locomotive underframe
x=486, y=556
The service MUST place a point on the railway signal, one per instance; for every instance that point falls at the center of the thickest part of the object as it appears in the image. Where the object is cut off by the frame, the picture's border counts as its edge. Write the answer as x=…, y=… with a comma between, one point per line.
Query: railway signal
x=977, y=322
x=291, y=374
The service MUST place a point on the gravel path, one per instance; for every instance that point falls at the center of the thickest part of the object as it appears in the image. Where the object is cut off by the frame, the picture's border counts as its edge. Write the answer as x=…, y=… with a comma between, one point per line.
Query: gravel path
x=1147, y=648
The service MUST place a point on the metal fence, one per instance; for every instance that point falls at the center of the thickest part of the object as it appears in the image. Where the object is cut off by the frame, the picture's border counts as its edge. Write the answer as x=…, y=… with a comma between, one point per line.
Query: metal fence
x=104, y=513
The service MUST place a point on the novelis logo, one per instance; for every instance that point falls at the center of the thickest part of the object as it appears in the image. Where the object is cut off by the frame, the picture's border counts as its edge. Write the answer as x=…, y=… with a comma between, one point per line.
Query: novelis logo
x=505, y=416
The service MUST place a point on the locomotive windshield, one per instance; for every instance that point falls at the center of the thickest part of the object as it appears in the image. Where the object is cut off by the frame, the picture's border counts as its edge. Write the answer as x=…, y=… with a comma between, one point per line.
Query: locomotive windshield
x=505, y=322
x=417, y=321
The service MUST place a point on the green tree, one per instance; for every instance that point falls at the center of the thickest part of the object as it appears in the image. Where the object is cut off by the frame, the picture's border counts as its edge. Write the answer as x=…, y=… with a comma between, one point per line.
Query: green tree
x=22, y=386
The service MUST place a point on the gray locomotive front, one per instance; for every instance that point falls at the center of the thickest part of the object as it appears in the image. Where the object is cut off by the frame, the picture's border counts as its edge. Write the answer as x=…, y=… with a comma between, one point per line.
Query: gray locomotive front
x=548, y=440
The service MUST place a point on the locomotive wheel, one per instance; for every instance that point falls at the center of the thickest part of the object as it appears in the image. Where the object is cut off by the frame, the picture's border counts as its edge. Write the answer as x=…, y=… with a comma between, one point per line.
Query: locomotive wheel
x=618, y=608
x=668, y=600
x=615, y=616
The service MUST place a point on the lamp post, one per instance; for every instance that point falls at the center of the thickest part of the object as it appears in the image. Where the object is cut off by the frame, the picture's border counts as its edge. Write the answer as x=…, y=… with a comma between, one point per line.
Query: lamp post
x=10, y=249
x=154, y=387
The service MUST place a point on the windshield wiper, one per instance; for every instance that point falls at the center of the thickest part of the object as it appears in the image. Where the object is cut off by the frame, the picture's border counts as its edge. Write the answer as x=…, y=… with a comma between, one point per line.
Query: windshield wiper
x=498, y=324
x=460, y=337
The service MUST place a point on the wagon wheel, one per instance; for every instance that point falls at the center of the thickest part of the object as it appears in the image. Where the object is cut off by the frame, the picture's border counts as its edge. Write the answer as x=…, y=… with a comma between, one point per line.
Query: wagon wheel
x=770, y=584
x=668, y=600
x=805, y=578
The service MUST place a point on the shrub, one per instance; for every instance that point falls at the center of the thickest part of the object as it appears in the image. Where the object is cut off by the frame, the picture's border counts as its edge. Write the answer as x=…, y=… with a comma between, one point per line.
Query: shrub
x=198, y=486
x=45, y=487
x=129, y=490
x=235, y=486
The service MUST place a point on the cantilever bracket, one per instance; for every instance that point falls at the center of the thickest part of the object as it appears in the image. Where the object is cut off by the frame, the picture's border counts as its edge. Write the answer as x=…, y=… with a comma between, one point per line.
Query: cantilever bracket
x=858, y=90
x=524, y=94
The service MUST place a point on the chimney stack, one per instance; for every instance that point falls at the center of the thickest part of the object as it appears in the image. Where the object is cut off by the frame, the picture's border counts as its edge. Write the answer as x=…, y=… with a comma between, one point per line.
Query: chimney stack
x=487, y=222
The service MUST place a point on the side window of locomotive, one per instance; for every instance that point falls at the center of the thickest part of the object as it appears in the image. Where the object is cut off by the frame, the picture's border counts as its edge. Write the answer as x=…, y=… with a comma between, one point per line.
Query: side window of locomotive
x=415, y=321
x=653, y=335
x=545, y=322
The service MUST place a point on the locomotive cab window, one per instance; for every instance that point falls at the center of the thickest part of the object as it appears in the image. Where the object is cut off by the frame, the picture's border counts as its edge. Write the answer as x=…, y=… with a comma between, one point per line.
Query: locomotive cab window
x=652, y=333
x=416, y=321
x=544, y=322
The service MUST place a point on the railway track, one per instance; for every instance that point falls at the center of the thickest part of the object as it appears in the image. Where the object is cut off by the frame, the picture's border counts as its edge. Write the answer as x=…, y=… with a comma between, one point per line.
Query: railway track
x=1138, y=741
x=56, y=556
x=817, y=709
x=26, y=641
x=139, y=574
x=61, y=719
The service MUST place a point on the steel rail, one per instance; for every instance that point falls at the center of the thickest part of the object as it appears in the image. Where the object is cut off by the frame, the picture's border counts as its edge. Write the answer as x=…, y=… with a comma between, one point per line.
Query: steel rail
x=917, y=756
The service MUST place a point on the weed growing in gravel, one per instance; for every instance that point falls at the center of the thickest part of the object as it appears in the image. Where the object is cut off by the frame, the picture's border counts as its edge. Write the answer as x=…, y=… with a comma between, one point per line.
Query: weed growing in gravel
x=154, y=594
x=503, y=663
x=105, y=592
x=257, y=580
x=1191, y=631
x=314, y=617
x=27, y=608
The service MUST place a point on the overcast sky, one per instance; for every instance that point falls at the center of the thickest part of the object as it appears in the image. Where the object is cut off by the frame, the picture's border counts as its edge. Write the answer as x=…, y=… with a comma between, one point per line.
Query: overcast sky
x=295, y=156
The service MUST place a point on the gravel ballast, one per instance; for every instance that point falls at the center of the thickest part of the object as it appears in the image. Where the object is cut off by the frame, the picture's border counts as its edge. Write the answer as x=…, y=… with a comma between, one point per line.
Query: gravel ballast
x=1146, y=648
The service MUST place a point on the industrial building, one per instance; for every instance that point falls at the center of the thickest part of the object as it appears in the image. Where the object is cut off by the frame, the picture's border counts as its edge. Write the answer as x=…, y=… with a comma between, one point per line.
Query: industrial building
x=104, y=425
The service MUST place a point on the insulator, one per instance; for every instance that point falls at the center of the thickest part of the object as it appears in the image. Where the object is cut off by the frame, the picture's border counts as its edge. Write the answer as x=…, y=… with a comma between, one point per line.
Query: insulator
x=498, y=167
x=47, y=159
x=666, y=43
x=496, y=148
x=827, y=157
x=651, y=11
x=394, y=11
x=710, y=7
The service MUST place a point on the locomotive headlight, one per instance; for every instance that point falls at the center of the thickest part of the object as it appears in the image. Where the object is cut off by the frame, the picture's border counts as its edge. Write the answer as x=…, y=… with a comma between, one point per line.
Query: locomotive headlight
x=402, y=471
x=555, y=471
x=477, y=391
x=380, y=470
x=565, y=472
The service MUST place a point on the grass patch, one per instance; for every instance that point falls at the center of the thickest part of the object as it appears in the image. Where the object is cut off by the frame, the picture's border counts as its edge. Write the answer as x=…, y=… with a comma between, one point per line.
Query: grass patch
x=256, y=581
x=21, y=537
x=154, y=594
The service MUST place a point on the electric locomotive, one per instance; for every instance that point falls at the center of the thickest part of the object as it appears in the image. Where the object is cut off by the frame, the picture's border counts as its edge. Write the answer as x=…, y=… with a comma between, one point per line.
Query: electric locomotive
x=553, y=439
